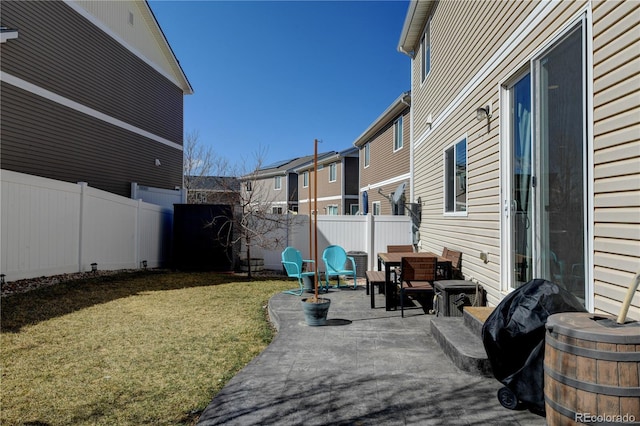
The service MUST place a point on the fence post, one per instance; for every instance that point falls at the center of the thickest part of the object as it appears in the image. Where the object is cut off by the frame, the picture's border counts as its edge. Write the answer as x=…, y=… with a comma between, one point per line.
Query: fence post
x=371, y=240
x=136, y=242
x=81, y=233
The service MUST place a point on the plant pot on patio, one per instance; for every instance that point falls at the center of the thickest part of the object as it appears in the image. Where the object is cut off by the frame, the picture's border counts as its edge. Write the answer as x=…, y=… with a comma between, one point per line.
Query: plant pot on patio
x=315, y=310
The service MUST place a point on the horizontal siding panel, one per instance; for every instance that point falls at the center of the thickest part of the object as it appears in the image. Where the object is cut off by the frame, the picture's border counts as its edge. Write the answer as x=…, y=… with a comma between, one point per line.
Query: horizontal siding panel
x=617, y=199
x=613, y=13
x=623, y=103
x=616, y=261
x=615, y=292
x=617, y=137
x=622, y=58
x=622, y=167
x=611, y=77
x=604, y=276
x=629, y=231
x=64, y=53
x=43, y=138
x=618, y=122
x=618, y=53
x=612, y=307
x=619, y=38
x=617, y=215
x=628, y=87
x=616, y=184
x=626, y=247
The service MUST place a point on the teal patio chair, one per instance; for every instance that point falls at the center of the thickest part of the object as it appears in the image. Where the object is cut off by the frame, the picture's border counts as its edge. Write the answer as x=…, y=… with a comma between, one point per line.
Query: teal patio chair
x=292, y=261
x=335, y=262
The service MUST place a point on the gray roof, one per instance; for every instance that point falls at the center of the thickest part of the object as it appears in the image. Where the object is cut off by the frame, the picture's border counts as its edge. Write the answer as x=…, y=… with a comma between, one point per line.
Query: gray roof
x=215, y=183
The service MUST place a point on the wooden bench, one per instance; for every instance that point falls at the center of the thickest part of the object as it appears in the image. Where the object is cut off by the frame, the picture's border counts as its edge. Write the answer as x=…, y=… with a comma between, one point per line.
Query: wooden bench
x=374, y=278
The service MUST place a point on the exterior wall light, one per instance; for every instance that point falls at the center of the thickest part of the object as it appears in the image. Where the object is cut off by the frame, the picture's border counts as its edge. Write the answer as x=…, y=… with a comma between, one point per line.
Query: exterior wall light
x=483, y=113
x=94, y=267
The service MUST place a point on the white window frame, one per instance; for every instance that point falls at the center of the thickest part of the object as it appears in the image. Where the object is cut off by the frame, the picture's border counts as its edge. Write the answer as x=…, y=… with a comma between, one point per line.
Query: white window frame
x=333, y=172
x=277, y=184
x=454, y=147
x=425, y=48
x=305, y=179
x=367, y=155
x=397, y=134
x=375, y=208
x=276, y=210
x=332, y=210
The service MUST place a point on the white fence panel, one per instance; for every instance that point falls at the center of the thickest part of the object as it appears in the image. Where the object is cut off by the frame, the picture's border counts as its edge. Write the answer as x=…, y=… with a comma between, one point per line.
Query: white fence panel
x=108, y=230
x=50, y=227
x=160, y=196
x=369, y=234
x=391, y=230
x=39, y=226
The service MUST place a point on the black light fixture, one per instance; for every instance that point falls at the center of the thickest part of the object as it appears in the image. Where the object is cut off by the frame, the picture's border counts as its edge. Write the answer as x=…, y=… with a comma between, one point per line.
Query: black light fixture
x=483, y=113
x=2, y=278
x=94, y=267
x=143, y=264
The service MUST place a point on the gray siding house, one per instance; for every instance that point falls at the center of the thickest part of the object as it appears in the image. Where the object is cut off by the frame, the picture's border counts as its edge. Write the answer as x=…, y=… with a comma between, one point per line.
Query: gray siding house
x=92, y=92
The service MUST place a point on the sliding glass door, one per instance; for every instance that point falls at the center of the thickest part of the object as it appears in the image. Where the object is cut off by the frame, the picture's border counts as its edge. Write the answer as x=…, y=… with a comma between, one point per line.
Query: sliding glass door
x=545, y=230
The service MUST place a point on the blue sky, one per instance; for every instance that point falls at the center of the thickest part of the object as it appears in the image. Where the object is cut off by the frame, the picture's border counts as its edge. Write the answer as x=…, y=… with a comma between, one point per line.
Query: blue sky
x=278, y=74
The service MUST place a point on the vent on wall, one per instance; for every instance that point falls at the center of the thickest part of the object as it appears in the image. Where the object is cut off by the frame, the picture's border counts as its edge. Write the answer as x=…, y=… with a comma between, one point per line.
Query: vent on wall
x=130, y=18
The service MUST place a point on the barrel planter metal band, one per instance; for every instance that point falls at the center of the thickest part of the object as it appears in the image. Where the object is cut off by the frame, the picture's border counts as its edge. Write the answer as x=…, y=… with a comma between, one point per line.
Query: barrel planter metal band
x=591, y=370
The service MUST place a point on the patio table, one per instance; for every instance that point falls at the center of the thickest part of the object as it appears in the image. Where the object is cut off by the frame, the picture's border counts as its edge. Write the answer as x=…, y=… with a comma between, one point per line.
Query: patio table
x=391, y=260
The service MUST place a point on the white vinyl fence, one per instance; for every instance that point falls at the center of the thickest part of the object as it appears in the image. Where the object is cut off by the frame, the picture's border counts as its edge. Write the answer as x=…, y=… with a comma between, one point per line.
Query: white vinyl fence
x=50, y=227
x=369, y=234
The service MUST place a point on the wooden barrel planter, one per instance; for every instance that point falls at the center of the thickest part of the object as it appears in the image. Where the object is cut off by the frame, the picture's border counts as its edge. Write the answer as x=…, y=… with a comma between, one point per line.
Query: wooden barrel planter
x=591, y=370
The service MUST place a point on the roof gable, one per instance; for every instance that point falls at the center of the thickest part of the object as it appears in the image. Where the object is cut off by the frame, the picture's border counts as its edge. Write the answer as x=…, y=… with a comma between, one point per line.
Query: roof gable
x=133, y=25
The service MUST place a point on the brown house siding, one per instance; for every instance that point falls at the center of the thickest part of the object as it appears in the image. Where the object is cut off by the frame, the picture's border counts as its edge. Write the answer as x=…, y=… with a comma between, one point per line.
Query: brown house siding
x=384, y=163
x=43, y=138
x=60, y=51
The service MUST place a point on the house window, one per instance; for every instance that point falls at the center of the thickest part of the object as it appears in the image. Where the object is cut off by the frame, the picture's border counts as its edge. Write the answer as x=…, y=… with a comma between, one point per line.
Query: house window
x=248, y=186
x=375, y=208
x=305, y=179
x=426, y=51
x=455, y=178
x=276, y=210
x=332, y=210
x=397, y=134
x=278, y=182
x=332, y=172
x=366, y=154
x=201, y=197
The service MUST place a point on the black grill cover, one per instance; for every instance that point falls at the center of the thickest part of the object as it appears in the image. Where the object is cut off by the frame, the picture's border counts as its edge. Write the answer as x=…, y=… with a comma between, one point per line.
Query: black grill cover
x=513, y=336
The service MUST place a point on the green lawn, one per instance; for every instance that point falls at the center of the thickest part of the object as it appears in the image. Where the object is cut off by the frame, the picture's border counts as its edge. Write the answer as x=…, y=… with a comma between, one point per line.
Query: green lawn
x=130, y=349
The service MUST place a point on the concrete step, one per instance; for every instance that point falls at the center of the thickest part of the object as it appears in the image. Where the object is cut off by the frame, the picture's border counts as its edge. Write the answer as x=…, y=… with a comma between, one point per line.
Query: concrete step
x=460, y=338
x=475, y=316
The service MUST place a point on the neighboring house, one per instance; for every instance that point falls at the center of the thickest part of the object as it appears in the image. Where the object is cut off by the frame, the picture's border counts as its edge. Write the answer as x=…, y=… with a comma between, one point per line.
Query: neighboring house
x=337, y=184
x=92, y=92
x=384, y=166
x=525, y=137
x=213, y=190
x=275, y=185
